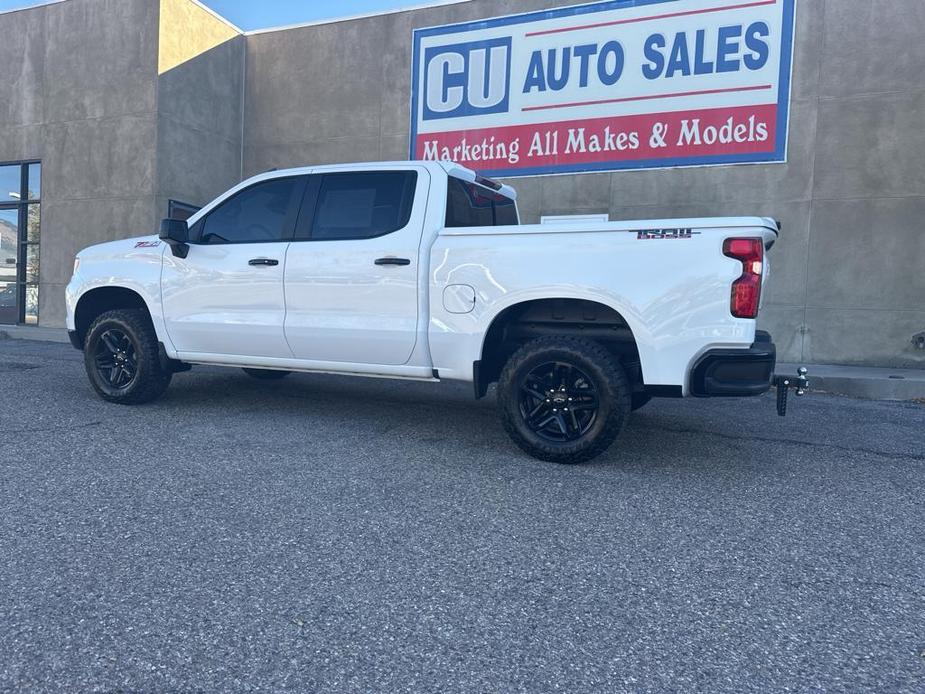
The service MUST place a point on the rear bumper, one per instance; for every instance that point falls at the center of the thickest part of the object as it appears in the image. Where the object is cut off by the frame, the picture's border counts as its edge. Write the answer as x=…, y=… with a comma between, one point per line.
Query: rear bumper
x=735, y=372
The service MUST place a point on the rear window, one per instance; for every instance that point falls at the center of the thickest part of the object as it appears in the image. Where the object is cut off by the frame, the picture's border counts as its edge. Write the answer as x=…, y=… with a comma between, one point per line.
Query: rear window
x=471, y=205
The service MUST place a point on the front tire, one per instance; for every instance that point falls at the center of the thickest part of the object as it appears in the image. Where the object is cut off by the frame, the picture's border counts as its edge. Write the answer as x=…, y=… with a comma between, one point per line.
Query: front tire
x=563, y=399
x=122, y=358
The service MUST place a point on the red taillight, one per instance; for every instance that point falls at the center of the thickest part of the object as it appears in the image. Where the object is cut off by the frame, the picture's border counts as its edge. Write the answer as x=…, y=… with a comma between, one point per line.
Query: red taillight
x=746, y=291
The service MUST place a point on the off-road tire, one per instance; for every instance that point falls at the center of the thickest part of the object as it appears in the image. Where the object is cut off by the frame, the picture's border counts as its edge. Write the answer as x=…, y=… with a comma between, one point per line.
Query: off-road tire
x=266, y=374
x=639, y=400
x=151, y=378
x=609, y=381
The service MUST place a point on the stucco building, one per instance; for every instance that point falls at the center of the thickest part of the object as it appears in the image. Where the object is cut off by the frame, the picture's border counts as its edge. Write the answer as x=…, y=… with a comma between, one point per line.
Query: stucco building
x=112, y=109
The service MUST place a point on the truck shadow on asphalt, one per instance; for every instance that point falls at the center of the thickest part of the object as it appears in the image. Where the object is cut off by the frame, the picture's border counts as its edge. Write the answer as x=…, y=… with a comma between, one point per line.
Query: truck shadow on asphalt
x=444, y=418
x=439, y=415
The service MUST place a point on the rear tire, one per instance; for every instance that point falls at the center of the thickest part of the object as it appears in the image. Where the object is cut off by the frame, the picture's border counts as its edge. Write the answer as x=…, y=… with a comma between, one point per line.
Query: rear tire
x=122, y=358
x=563, y=399
x=266, y=374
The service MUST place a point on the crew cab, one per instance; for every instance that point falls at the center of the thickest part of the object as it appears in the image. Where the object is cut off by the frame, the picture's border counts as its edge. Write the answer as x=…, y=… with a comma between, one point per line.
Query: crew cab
x=421, y=270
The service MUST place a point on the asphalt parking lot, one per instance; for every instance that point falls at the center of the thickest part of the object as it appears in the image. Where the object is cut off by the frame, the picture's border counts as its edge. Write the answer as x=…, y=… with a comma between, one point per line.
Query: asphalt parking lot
x=331, y=534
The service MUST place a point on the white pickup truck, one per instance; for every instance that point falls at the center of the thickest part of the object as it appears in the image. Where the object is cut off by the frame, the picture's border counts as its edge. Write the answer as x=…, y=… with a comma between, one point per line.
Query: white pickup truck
x=420, y=270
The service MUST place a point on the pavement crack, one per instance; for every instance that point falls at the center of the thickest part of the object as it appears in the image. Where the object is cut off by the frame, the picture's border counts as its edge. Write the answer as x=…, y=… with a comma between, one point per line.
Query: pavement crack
x=905, y=457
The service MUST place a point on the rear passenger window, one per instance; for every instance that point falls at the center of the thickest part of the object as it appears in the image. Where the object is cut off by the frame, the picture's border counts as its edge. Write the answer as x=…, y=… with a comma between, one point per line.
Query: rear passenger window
x=363, y=205
x=471, y=205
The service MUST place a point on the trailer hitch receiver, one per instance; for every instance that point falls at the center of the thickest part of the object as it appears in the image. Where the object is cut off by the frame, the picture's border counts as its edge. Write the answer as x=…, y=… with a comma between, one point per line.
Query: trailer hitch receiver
x=784, y=383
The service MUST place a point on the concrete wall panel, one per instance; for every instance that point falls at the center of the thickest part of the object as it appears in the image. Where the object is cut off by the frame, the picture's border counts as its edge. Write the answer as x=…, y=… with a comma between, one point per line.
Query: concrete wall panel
x=529, y=198
x=296, y=82
x=872, y=47
x=19, y=142
x=194, y=166
x=68, y=226
x=395, y=76
x=785, y=325
x=864, y=337
x=730, y=184
x=868, y=254
x=22, y=55
x=577, y=192
x=871, y=146
x=264, y=157
x=104, y=158
x=100, y=58
x=807, y=49
x=52, y=311
x=204, y=93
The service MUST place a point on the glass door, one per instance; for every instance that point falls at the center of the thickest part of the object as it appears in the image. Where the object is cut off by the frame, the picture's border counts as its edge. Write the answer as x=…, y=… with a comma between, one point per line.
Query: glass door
x=20, y=221
x=9, y=265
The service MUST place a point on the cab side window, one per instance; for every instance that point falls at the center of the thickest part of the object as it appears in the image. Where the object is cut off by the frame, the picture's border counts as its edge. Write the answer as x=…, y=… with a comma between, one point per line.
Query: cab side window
x=264, y=212
x=471, y=205
x=360, y=205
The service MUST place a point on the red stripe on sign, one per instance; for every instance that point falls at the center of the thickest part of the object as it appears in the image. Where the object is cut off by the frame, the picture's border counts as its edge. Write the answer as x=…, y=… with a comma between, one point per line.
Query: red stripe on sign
x=647, y=98
x=743, y=6
x=696, y=133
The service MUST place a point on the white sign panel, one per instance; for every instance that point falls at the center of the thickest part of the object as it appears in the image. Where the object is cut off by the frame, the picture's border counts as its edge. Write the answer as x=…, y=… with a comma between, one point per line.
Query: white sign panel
x=625, y=84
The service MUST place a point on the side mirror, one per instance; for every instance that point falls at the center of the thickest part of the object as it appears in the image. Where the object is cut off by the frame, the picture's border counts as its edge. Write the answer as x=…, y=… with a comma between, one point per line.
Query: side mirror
x=176, y=233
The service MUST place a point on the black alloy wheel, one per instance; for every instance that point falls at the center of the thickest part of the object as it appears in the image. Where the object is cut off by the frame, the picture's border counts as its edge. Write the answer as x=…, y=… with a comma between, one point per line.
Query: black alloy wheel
x=563, y=399
x=116, y=359
x=558, y=402
x=123, y=358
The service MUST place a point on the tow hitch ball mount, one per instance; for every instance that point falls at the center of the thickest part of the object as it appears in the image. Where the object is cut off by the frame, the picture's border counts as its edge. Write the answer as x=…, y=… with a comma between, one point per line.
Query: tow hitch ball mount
x=784, y=383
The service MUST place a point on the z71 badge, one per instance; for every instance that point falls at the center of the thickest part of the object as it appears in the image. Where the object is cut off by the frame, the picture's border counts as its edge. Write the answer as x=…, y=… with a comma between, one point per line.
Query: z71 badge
x=147, y=244
x=665, y=234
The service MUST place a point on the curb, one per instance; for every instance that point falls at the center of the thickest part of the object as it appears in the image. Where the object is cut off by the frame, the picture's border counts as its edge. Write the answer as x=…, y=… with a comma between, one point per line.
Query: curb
x=28, y=332
x=867, y=382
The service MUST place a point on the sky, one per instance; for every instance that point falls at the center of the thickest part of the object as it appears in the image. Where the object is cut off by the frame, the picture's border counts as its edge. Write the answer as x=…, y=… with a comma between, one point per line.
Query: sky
x=260, y=14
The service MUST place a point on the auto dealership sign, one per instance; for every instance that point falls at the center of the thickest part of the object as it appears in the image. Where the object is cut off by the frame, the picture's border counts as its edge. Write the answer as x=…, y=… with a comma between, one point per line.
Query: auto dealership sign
x=626, y=84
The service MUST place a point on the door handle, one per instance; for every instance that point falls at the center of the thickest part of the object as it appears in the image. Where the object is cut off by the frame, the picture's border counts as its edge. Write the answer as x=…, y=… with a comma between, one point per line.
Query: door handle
x=263, y=261
x=392, y=261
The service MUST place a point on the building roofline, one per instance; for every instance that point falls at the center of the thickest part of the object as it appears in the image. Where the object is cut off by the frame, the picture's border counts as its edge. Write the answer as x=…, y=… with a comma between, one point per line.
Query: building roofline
x=284, y=27
x=198, y=3
x=350, y=18
x=215, y=14
x=34, y=6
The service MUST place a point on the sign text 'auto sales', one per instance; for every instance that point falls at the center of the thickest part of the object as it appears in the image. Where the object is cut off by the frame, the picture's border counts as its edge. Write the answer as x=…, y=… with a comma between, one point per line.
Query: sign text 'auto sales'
x=612, y=85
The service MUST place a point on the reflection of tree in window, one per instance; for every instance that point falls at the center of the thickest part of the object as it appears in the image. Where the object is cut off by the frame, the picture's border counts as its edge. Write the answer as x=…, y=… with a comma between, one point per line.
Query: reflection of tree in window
x=9, y=240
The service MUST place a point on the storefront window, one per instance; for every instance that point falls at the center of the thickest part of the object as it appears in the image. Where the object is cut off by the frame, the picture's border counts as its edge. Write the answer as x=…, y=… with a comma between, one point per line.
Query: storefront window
x=20, y=232
x=34, y=185
x=11, y=183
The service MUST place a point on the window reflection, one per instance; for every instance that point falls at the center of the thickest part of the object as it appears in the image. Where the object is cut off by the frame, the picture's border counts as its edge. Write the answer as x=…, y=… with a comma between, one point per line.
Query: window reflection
x=20, y=233
x=10, y=183
x=34, y=186
x=31, y=316
x=9, y=244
